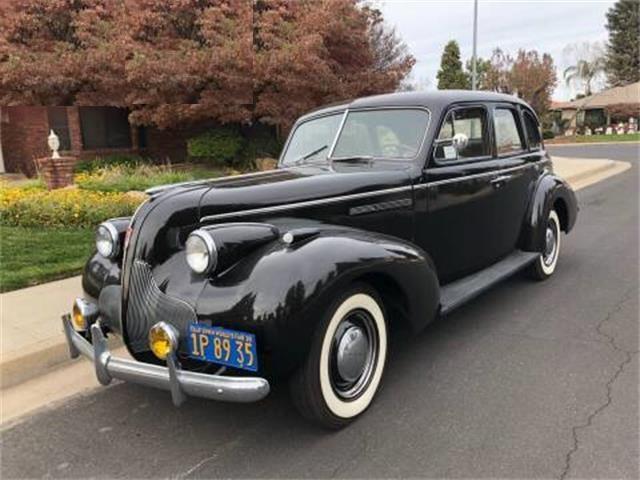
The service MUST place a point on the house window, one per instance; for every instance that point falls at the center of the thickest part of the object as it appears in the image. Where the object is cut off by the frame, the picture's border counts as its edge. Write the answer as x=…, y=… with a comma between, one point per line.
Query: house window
x=104, y=127
x=59, y=123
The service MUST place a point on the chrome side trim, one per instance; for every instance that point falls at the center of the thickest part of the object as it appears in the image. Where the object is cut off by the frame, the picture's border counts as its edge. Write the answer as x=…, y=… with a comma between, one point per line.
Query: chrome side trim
x=172, y=378
x=476, y=175
x=309, y=203
x=356, y=196
x=380, y=206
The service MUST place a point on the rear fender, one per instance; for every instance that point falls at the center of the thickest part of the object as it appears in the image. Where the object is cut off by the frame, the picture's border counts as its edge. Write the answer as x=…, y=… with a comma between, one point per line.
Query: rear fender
x=550, y=190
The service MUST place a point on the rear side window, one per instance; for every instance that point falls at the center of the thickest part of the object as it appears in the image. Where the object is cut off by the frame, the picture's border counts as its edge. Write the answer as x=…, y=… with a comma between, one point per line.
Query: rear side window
x=508, y=137
x=471, y=122
x=533, y=131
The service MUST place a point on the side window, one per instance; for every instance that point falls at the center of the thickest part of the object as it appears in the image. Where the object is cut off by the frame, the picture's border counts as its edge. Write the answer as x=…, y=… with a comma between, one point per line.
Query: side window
x=508, y=137
x=533, y=131
x=471, y=122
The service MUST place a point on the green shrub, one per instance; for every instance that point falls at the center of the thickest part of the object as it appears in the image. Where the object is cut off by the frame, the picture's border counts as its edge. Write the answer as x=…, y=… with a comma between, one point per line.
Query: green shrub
x=125, y=160
x=261, y=142
x=548, y=134
x=220, y=147
x=141, y=177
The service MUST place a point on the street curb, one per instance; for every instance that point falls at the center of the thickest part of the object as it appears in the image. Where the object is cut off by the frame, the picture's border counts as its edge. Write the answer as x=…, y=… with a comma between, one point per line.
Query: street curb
x=597, y=174
x=38, y=361
x=578, y=177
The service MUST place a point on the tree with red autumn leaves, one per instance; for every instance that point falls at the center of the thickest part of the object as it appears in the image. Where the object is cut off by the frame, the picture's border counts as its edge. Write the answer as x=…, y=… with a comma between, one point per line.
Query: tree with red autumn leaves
x=528, y=75
x=177, y=61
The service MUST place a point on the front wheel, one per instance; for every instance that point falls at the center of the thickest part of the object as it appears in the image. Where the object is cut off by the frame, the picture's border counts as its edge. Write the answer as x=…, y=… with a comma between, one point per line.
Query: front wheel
x=545, y=264
x=344, y=367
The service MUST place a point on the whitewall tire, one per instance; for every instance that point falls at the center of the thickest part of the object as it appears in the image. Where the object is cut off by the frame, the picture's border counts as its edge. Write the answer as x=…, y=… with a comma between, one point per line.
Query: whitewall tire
x=545, y=265
x=344, y=367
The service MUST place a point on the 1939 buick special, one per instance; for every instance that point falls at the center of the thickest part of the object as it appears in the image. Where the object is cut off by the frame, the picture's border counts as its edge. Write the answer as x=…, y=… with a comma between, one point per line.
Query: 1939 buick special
x=389, y=209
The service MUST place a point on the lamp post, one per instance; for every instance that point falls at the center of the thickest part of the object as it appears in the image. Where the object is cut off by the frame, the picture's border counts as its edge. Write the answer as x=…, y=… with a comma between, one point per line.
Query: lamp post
x=474, y=59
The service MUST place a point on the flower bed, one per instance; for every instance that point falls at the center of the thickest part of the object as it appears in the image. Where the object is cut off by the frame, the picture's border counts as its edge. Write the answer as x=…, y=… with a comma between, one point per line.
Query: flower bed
x=63, y=208
x=122, y=178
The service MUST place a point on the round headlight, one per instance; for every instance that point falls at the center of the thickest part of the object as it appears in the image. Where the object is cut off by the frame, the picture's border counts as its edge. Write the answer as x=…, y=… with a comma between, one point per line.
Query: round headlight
x=107, y=240
x=201, y=252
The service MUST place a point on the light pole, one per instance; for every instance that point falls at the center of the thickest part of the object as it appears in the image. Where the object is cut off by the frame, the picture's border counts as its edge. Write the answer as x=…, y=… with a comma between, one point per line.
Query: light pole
x=474, y=58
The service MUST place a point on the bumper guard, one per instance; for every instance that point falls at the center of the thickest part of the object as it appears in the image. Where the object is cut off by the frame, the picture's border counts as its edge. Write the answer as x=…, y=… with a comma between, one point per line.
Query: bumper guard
x=180, y=383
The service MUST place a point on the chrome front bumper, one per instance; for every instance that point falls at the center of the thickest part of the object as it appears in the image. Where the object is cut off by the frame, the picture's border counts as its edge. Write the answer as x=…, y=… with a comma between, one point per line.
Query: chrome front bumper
x=180, y=383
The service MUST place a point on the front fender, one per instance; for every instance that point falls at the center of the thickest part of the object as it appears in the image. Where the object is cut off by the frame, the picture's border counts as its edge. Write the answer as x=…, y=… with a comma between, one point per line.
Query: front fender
x=550, y=192
x=100, y=272
x=281, y=291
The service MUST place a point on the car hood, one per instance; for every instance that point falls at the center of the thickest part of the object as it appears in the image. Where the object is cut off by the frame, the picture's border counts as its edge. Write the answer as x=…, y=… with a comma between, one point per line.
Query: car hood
x=246, y=193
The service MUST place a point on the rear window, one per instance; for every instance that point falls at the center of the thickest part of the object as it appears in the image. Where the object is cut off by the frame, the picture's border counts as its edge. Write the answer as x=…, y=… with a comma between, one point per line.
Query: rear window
x=508, y=137
x=533, y=131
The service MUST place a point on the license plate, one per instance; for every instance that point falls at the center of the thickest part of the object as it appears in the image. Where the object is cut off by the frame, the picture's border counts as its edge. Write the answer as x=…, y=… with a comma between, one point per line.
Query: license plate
x=223, y=346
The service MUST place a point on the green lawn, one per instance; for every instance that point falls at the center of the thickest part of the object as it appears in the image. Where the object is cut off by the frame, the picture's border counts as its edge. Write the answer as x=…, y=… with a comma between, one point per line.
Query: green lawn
x=634, y=137
x=29, y=256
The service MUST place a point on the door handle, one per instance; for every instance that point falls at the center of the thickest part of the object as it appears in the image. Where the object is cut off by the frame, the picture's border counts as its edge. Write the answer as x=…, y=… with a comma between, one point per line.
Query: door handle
x=500, y=181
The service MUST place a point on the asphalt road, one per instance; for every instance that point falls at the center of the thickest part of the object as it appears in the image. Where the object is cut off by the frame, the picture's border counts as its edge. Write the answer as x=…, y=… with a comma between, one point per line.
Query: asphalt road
x=529, y=380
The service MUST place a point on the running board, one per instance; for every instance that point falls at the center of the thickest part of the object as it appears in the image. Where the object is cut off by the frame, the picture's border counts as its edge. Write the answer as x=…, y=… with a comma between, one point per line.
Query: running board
x=461, y=291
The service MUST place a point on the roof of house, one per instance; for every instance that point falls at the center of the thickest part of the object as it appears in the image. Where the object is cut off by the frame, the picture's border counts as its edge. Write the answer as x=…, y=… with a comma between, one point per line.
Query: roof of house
x=612, y=96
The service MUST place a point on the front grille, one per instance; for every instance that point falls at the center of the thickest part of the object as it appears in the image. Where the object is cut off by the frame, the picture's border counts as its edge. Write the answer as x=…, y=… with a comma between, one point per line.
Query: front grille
x=148, y=305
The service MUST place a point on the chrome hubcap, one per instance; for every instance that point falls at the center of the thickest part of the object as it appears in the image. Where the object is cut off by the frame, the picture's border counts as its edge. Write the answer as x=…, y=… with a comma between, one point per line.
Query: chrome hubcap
x=354, y=353
x=551, y=244
x=353, y=348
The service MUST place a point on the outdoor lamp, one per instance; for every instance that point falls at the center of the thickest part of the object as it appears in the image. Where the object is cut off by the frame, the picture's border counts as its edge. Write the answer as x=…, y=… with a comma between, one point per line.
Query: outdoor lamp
x=54, y=144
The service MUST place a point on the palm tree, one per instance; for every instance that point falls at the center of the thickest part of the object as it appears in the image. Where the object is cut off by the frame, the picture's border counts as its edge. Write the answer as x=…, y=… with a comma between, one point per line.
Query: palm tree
x=585, y=71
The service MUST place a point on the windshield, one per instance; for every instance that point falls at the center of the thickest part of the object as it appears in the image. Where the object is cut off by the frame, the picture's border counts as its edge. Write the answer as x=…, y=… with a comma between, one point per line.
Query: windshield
x=312, y=140
x=394, y=134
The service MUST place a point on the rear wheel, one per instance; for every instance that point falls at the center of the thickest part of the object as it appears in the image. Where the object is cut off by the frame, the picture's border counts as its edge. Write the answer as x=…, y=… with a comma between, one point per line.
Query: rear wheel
x=345, y=364
x=545, y=264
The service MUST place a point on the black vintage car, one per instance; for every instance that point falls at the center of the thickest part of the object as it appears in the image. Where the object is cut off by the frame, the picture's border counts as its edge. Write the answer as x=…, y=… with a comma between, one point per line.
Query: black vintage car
x=389, y=209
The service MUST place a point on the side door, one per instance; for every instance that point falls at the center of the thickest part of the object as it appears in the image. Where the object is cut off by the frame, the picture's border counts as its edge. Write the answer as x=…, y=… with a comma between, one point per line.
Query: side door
x=457, y=204
x=516, y=175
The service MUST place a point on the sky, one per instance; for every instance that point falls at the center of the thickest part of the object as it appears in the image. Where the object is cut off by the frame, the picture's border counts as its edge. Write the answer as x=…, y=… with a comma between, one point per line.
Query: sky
x=544, y=25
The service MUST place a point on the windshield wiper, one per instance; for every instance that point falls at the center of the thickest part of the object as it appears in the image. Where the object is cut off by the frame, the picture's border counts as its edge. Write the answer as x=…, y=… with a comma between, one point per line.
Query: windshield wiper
x=304, y=157
x=368, y=159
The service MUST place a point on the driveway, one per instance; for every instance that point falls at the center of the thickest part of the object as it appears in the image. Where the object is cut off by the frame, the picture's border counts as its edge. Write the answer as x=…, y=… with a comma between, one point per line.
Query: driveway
x=529, y=380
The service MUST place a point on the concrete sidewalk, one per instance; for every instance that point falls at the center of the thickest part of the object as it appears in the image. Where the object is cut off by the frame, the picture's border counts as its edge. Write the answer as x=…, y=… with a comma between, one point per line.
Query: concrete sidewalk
x=31, y=338
x=32, y=341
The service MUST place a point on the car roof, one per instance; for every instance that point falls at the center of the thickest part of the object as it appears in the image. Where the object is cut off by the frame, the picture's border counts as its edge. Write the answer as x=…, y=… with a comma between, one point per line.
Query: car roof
x=436, y=100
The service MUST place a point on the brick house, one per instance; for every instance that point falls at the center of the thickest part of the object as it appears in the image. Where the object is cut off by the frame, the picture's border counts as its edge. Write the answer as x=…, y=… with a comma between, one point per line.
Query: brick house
x=84, y=132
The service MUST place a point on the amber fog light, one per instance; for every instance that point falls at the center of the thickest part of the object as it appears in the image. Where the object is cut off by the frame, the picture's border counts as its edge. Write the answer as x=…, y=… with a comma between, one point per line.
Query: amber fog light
x=83, y=314
x=163, y=339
